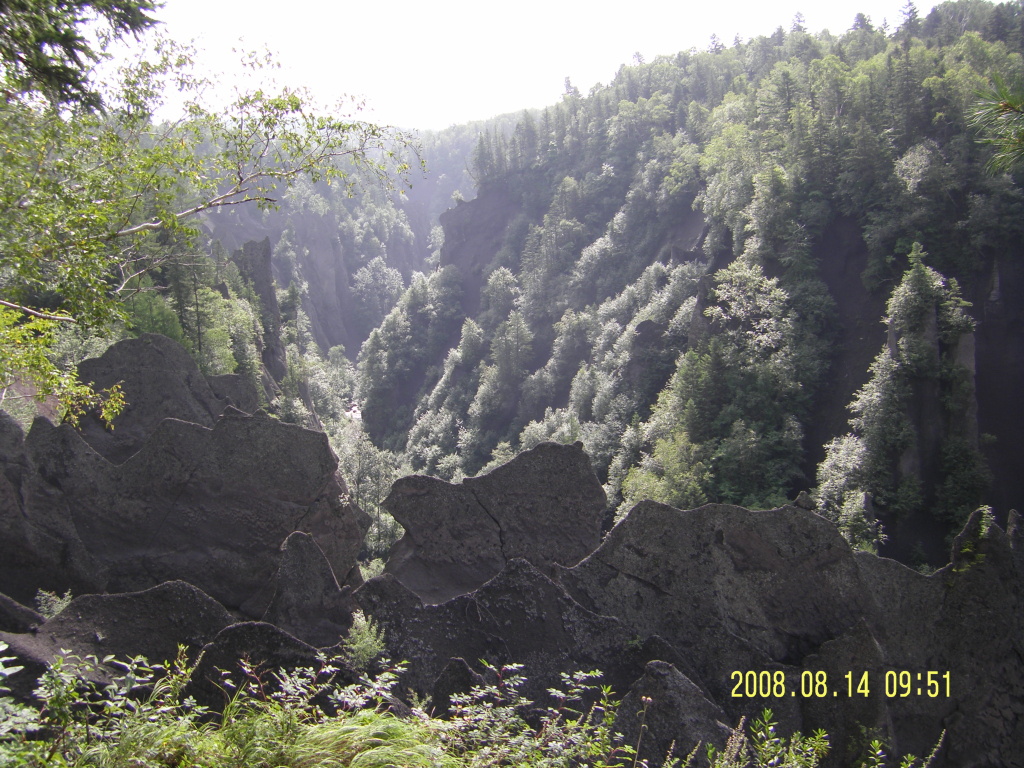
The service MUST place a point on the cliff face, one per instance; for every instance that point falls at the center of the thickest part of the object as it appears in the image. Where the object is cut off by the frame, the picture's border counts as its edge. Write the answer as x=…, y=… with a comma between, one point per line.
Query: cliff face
x=474, y=232
x=323, y=267
x=991, y=360
x=323, y=253
x=999, y=309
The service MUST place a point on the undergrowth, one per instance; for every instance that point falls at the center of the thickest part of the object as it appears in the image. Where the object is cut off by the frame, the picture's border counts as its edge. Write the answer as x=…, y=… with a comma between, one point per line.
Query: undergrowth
x=142, y=717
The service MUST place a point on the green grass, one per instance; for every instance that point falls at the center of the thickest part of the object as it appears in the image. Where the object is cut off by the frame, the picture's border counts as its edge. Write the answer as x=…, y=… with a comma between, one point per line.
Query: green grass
x=305, y=719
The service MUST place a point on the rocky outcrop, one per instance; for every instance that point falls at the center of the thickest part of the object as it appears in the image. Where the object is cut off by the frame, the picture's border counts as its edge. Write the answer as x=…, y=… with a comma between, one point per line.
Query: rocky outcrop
x=546, y=506
x=262, y=647
x=665, y=713
x=207, y=501
x=519, y=616
x=150, y=623
x=307, y=601
x=733, y=611
x=15, y=617
x=210, y=505
x=753, y=588
x=965, y=620
x=160, y=380
x=474, y=232
x=740, y=592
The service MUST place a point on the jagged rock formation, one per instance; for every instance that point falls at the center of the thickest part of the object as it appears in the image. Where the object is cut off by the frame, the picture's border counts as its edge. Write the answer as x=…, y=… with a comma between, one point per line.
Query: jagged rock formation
x=151, y=623
x=749, y=591
x=473, y=233
x=710, y=595
x=752, y=588
x=160, y=380
x=664, y=708
x=546, y=505
x=519, y=616
x=15, y=617
x=307, y=601
x=259, y=644
x=209, y=501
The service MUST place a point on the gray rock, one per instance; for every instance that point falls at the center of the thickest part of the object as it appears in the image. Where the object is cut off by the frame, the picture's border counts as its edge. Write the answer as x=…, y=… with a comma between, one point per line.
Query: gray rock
x=15, y=617
x=519, y=616
x=262, y=647
x=457, y=677
x=736, y=589
x=966, y=619
x=210, y=504
x=546, y=506
x=160, y=380
x=236, y=390
x=151, y=623
x=307, y=600
x=40, y=548
x=666, y=713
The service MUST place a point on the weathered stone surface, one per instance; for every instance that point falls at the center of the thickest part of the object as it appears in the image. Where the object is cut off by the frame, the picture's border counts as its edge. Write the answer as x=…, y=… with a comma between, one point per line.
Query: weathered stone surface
x=474, y=232
x=39, y=548
x=150, y=623
x=845, y=717
x=519, y=616
x=741, y=591
x=160, y=380
x=546, y=506
x=676, y=715
x=966, y=619
x=308, y=602
x=743, y=588
x=449, y=554
x=236, y=390
x=15, y=617
x=208, y=505
x=264, y=647
x=208, y=502
x=457, y=677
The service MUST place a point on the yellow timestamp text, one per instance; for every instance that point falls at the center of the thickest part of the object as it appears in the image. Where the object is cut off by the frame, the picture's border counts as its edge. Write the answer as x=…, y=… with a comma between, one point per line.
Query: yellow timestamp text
x=815, y=684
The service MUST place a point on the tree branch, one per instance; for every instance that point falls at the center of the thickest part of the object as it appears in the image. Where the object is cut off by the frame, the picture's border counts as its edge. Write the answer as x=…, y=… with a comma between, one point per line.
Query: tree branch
x=36, y=313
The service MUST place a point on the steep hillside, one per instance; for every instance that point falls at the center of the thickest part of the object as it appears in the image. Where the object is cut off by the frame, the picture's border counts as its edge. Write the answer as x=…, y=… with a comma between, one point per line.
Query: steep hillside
x=693, y=269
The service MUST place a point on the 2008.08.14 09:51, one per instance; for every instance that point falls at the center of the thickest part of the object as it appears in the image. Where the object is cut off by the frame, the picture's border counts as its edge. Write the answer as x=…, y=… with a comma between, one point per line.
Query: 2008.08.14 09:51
x=767, y=684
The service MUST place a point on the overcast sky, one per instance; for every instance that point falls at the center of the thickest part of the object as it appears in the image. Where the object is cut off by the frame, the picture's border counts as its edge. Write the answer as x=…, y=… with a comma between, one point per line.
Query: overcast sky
x=433, y=64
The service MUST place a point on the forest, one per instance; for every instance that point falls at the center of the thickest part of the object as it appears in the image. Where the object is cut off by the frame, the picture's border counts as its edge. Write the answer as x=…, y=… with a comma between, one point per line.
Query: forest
x=734, y=274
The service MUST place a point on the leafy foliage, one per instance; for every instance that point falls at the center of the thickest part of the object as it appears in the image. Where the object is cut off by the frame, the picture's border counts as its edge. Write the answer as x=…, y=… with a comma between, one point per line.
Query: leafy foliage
x=869, y=466
x=306, y=716
x=1000, y=116
x=93, y=200
x=43, y=48
x=364, y=643
x=49, y=604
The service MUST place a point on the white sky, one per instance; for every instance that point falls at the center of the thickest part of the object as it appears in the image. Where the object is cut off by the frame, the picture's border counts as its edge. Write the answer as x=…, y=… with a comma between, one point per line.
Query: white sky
x=433, y=64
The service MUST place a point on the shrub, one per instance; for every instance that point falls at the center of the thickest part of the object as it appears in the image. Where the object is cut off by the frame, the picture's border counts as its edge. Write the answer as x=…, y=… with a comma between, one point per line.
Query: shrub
x=49, y=604
x=364, y=643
